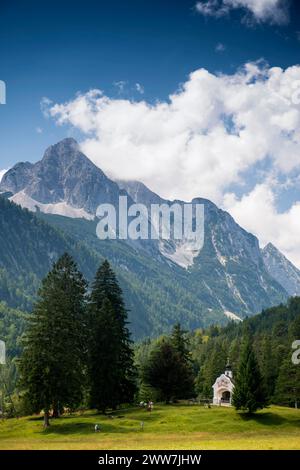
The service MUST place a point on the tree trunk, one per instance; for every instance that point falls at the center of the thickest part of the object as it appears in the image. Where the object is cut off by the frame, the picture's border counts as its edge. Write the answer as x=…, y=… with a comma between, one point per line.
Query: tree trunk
x=56, y=411
x=46, y=419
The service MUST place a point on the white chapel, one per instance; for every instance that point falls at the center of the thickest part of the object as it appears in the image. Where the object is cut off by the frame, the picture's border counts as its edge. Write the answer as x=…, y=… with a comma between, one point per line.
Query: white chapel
x=223, y=387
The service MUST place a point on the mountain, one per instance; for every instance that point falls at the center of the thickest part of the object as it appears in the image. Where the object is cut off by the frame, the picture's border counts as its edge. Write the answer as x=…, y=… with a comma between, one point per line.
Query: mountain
x=229, y=270
x=164, y=280
x=155, y=296
x=281, y=269
x=140, y=193
x=55, y=184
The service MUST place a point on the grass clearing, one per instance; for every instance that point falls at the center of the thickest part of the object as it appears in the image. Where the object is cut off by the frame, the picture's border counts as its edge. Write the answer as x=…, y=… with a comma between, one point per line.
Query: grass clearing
x=167, y=427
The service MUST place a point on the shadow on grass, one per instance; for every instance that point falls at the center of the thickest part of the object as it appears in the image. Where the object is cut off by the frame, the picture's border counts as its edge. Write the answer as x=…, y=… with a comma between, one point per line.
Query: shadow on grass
x=268, y=419
x=77, y=428
x=36, y=418
x=90, y=414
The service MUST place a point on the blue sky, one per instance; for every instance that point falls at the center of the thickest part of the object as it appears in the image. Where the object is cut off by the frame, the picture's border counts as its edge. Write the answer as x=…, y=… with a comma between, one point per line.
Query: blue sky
x=229, y=132
x=56, y=48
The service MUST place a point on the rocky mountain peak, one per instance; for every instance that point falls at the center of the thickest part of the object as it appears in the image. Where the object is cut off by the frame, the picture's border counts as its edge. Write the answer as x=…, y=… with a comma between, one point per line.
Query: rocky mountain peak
x=270, y=248
x=64, y=176
x=64, y=155
x=281, y=269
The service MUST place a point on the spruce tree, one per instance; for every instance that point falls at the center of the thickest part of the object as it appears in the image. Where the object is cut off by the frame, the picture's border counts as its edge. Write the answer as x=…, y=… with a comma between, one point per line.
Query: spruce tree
x=248, y=394
x=111, y=353
x=52, y=366
x=287, y=390
x=213, y=364
x=180, y=342
x=268, y=365
x=104, y=358
x=168, y=373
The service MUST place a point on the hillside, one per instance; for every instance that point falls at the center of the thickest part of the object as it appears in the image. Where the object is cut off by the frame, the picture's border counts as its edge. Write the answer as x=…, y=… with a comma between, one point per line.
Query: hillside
x=12, y=325
x=31, y=243
x=167, y=427
x=28, y=248
x=273, y=332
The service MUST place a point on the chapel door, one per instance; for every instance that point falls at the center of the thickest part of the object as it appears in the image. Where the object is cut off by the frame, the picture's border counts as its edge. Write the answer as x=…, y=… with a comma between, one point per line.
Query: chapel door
x=226, y=396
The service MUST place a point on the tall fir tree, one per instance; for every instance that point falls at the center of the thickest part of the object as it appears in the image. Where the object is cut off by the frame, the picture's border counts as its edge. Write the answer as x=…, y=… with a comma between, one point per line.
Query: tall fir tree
x=112, y=371
x=213, y=365
x=249, y=394
x=104, y=358
x=268, y=365
x=52, y=367
x=167, y=372
x=287, y=391
x=180, y=342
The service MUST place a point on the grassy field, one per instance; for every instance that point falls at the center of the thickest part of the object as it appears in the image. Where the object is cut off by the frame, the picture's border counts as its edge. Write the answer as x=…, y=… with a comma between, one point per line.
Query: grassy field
x=167, y=427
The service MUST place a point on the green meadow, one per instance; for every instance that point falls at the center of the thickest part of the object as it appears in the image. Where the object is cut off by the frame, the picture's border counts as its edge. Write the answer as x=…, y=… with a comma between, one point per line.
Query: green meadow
x=166, y=427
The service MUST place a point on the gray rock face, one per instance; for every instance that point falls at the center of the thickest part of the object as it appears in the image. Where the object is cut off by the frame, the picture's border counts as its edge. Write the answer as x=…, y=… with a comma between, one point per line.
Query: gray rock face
x=16, y=178
x=140, y=193
x=229, y=270
x=63, y=175
x=281, y=269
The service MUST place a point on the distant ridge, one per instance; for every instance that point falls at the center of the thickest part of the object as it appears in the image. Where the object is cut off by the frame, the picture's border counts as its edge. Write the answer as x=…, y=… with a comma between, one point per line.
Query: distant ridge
x=281, y=269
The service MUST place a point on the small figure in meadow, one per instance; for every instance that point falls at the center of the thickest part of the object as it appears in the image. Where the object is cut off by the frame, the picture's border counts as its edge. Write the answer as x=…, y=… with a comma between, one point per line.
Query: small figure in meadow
x=97, y=428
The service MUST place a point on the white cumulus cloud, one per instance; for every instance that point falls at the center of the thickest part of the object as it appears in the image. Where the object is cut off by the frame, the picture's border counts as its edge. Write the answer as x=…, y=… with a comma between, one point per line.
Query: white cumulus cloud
x=2, y=173
x=257, y=212
x=273, y=11
x=205, y=139
x=214, y=128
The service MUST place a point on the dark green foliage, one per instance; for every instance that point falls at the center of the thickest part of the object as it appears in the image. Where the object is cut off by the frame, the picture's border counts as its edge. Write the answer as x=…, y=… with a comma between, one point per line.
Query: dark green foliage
x=249, y=394
x=287, y=390
x=167, y=371
x=28, y=248
x=112, y=373
x=273, y=332
x=267, y=366
x=104, y=356
x=12, y=324
x=181, y=343
x=154, y=298
x=53, y=361
x=30, y=243
x=211, y=368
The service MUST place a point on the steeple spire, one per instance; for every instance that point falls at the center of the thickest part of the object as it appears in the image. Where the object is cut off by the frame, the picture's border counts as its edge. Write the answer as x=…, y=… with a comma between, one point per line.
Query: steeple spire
x=228, y=369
